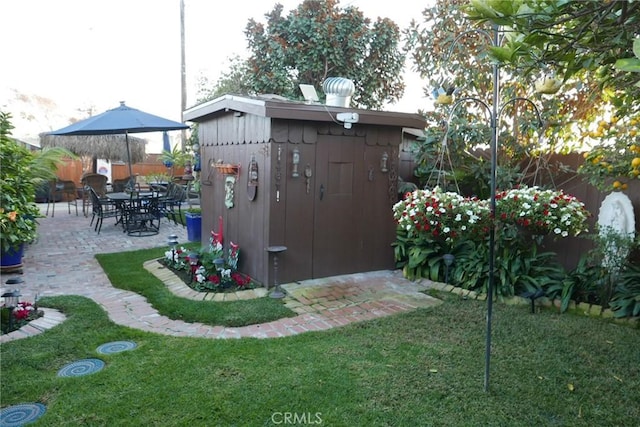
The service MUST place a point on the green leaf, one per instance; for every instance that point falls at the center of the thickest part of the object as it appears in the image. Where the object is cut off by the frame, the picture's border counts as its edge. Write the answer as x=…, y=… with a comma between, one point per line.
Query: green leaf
x=628, y=64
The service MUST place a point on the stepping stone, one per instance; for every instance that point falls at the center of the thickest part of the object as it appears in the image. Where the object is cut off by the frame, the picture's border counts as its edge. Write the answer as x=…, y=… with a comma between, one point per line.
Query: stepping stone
x=116, y=347
x=81, y=367
x=18, y=415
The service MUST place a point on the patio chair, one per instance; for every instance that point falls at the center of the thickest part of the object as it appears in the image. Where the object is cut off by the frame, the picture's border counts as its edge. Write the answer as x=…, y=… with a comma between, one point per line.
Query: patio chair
x=142, y=216
x=124, y=184
x=171, y=203
x=101, y=208
x=95, y=181
x=62, y=190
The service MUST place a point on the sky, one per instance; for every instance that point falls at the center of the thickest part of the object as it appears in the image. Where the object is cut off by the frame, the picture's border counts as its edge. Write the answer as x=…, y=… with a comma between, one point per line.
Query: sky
x=88, y=55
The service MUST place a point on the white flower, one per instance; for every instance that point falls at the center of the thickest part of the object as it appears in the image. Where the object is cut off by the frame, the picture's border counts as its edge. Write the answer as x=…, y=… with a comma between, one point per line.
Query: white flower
x=557, y=230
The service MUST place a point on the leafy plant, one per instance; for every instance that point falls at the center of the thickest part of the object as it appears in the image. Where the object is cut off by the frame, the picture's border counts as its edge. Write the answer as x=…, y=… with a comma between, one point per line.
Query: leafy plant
x=626, y=299
x=21, y=173
x=600, y=274
x=175, y=157
x=516, y=269
x=18, y=211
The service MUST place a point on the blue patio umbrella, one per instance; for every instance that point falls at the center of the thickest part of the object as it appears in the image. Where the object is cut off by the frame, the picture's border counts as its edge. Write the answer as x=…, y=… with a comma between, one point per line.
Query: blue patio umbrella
x=166, y=146
x=120, y=120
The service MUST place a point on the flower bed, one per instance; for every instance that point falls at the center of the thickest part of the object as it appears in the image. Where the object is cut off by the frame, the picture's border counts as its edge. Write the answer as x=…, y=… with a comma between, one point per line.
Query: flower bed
x=209, y=270
x=24, y=313
x=436, y=226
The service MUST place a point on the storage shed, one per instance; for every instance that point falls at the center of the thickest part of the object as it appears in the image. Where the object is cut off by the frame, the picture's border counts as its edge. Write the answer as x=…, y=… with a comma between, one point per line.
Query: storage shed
x=318, y=179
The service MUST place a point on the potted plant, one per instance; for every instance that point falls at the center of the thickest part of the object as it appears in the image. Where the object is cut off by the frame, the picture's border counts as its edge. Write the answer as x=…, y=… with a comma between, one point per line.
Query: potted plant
x=174, y=158
x=21, y=172
x=18, y=210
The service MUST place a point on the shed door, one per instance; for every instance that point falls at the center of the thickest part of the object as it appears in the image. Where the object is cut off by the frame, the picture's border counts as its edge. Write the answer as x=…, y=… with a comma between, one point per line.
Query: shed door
x=337, y=228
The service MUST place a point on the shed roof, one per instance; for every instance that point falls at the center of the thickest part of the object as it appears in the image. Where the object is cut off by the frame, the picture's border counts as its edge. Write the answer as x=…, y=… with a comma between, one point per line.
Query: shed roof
x=277, y=107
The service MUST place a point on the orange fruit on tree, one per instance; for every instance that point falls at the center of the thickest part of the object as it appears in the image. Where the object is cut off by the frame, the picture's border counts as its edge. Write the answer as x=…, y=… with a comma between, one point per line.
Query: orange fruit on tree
x=635, y=162
x=624, y=186
x=617, y=184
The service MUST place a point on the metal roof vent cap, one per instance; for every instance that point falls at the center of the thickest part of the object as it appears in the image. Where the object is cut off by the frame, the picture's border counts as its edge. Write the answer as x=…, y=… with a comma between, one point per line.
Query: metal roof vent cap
x=338, y=91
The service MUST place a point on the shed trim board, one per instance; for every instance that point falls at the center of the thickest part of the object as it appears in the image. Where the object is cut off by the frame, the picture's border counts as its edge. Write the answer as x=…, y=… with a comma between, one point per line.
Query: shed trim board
x=334, y=215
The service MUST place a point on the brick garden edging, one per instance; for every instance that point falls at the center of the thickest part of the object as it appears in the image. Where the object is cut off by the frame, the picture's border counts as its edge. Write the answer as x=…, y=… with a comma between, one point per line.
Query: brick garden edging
x=50, y=319
x=179, y=288
x=587, y=309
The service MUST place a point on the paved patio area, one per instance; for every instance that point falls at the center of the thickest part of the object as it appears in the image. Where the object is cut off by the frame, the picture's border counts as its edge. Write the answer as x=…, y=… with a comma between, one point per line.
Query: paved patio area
x=62, y=262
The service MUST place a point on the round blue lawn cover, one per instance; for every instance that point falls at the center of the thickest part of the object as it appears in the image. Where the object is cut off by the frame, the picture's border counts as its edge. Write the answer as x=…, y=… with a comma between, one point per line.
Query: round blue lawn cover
x=116, y=347
x=18, y=415
x=81, y=367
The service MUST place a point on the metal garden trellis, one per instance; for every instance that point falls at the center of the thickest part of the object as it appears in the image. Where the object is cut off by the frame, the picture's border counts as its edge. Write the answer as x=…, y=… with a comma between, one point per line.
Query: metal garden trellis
x=495, y=110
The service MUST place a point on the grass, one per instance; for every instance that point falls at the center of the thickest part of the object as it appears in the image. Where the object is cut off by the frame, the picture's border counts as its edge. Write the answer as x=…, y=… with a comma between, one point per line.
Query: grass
x=125, y=271
x=420, y=368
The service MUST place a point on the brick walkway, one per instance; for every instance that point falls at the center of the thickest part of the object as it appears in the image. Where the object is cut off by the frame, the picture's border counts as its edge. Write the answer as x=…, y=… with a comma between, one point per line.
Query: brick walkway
x=62, y=262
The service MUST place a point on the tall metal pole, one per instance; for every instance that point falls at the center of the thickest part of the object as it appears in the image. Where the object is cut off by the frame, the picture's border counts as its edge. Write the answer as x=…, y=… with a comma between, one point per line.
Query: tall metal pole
x=183, y=73
x=492, y=230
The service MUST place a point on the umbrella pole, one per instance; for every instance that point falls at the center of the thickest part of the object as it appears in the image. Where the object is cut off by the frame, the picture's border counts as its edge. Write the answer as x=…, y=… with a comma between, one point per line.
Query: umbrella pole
x=126, y=138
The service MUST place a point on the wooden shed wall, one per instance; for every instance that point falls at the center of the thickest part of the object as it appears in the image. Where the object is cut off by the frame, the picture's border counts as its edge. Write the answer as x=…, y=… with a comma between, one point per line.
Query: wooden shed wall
x=295, y=218
x=235, y=139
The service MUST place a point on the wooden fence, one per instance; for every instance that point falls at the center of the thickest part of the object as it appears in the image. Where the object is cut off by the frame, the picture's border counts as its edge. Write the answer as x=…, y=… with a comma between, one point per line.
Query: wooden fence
x=72, y=170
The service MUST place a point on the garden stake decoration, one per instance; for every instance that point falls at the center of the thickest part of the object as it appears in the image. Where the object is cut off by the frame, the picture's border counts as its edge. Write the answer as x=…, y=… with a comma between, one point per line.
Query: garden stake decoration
x=448, y=261
x=533, y=296
x=173, y=243
x=11, y=301
x=495, y=110
x=275, y=250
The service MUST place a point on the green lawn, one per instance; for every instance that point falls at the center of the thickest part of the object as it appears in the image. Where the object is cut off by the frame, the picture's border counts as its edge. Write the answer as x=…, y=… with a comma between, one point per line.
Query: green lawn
x=415, y=369
x=125, y=271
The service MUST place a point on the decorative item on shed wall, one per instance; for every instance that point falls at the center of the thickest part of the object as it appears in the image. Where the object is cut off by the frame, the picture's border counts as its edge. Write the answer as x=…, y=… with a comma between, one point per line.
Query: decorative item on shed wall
x=229, y=183
x=295, y=160
x=384, y=163
x=252, y=178
x=278, y=173
x=307, y=176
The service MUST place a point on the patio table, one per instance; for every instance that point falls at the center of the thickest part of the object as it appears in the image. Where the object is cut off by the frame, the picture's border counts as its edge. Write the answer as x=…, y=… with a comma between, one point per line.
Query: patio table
x=134, y=216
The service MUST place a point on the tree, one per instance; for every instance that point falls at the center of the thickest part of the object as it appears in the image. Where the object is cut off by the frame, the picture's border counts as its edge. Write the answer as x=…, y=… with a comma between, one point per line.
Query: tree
x=452, y=53
x=318, y=40
x=592, y=42
x=235, y=80
x=452, y=50
x=582, y=39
